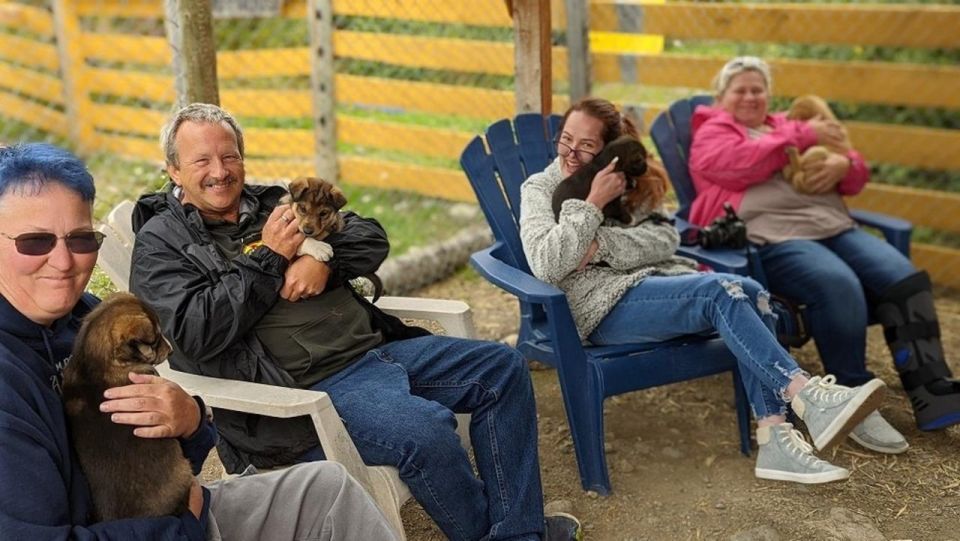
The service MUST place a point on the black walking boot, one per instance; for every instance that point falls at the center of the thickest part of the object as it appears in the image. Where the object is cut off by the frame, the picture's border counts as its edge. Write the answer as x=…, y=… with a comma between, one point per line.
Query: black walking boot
x=910, y=326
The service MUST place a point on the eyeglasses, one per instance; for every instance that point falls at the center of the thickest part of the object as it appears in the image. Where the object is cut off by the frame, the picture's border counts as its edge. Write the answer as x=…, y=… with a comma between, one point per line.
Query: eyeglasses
x=583, y=156
x=78, y=242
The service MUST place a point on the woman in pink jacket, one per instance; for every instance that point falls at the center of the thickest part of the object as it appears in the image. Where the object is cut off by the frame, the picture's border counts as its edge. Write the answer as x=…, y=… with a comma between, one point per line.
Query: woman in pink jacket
x=811, y=249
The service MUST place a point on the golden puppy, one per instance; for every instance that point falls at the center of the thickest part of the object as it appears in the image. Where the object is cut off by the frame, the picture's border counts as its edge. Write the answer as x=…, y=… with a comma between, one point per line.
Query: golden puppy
x=805, y=108
x=129, y=476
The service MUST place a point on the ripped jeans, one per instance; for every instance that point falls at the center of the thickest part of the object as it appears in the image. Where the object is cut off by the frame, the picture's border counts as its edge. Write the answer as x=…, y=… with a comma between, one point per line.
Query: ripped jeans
x=735, y=307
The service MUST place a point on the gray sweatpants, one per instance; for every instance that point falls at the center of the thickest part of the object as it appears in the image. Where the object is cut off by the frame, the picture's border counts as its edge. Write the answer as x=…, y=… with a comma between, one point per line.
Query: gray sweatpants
x=312, y=501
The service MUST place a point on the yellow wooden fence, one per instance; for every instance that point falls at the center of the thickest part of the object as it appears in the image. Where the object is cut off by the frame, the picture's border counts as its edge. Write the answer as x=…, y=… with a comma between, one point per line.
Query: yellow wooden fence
x=111, y=75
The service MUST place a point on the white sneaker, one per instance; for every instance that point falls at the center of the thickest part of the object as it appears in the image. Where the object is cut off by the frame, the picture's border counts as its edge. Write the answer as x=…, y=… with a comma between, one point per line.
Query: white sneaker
x=876, y=434
x=785, y=456
x=831, y=411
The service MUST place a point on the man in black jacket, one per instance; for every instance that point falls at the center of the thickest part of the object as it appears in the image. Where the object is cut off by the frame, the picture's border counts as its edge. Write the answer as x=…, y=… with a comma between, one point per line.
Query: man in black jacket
x=217, y=260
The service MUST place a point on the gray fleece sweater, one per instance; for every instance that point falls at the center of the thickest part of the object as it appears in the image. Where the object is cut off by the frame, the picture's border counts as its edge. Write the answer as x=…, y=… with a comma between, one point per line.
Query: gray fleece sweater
x=554, y=250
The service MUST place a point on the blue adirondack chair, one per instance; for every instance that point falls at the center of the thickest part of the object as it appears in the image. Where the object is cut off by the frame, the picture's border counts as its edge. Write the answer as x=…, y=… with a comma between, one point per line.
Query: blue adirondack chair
x=587, y=375
x=672, y=136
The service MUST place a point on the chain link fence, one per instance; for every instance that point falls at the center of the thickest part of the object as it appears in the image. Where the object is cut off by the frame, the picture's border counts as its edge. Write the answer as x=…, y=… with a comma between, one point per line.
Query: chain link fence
x=386, y=94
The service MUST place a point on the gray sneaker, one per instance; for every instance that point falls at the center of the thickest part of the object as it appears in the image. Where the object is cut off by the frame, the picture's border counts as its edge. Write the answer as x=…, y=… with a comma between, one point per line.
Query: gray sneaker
x=830, y=411
x=876, y=434
x=785, y=456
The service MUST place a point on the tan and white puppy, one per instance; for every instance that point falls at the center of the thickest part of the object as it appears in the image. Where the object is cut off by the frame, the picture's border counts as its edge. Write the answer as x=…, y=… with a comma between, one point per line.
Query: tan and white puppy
x=129, y=476
x=805, y=108
x=315, y=204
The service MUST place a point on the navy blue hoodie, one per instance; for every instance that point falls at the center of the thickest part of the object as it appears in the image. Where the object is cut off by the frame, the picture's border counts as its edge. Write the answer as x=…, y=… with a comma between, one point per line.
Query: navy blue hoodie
x=43, y=492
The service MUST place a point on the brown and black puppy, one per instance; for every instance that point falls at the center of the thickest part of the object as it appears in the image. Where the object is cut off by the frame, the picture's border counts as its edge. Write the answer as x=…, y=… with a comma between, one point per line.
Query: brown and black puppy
x=808, y=107
x=631, y=158
x=316, y=205
x=129, y=476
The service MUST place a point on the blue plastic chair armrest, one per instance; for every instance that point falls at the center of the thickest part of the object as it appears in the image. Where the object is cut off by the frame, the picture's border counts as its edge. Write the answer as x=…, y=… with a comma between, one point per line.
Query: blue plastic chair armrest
x=897, y=231
x=512, y=280
x=719, y=259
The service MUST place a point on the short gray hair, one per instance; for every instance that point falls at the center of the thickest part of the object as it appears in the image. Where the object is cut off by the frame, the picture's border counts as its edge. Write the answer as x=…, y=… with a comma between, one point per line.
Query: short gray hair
x=195, y=112
x=739, y=65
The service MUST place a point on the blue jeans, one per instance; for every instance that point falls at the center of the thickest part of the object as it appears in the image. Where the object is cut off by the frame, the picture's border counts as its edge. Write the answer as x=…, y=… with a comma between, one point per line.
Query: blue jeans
x=738, y=308
x=398, y=403
x=839, y=279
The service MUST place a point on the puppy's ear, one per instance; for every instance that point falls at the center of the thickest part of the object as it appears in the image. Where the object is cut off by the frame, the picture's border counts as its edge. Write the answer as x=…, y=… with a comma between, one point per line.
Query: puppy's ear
x=337, y=198
x=297, y=187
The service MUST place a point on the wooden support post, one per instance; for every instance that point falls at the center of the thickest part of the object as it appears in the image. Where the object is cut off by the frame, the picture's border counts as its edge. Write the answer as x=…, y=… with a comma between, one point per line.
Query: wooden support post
x=190, y=34
x=532, y=46
x=73, y=72
x=578, y=48
x=320, y=19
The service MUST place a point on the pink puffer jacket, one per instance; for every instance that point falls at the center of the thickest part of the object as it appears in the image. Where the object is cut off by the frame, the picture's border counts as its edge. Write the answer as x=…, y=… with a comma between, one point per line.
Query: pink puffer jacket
x=725, y=161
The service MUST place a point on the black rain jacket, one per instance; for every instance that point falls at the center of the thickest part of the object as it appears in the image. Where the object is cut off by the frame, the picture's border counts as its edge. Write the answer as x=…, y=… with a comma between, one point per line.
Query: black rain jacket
x=208, y=306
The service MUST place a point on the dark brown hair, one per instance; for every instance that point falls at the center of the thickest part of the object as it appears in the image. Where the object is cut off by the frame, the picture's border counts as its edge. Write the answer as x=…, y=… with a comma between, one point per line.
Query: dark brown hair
x=651, y=187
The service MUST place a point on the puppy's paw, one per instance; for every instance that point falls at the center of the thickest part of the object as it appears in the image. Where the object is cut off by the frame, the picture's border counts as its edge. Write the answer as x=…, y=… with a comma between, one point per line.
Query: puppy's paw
x=317, y=249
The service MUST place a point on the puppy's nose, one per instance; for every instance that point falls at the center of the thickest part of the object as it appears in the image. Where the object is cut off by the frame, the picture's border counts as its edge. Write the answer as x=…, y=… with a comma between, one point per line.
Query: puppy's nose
x=308, y=231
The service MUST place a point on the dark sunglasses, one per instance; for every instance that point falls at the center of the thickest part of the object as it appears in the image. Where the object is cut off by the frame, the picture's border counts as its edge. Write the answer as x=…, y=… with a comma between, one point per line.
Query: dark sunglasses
x=78, y=242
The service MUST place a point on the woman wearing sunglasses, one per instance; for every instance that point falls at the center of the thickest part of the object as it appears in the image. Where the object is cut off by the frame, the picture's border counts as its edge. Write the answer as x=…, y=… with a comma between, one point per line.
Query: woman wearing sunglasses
x=48, y=248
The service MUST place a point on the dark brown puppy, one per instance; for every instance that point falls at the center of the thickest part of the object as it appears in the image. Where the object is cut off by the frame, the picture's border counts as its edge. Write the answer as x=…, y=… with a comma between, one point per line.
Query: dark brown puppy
x=316, y=205
x=129, y=476
x=631, y=159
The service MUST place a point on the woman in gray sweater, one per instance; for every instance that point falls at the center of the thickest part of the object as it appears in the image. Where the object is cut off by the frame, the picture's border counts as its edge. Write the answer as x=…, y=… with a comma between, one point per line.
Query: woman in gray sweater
x=625, y=284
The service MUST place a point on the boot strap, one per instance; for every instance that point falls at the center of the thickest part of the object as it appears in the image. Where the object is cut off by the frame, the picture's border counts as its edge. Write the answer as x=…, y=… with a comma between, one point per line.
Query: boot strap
x=924, y=374
x=915, y=330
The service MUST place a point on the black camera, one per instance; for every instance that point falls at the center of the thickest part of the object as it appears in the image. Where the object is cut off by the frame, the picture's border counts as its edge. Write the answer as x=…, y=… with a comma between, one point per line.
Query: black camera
x=727, y=231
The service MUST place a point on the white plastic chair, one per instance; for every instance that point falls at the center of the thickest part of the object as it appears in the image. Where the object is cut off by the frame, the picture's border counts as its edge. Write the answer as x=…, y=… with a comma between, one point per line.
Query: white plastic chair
x=382, y=482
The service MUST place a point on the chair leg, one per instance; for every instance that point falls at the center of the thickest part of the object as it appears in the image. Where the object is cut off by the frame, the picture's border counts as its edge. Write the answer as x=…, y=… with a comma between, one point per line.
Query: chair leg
x=584, y=406
x=743, y=412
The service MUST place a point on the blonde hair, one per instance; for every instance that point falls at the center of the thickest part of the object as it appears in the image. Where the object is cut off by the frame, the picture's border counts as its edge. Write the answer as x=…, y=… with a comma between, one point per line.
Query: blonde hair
x=740, y=65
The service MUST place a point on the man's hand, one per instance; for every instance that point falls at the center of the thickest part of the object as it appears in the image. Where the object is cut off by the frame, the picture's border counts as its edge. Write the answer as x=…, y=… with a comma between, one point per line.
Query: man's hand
x=304, y=278
x=156, y=407
x=824, y=175
x=280, y=233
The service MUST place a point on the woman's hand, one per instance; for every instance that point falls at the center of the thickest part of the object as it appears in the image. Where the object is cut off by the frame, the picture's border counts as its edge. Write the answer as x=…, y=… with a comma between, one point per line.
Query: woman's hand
x=830, y=133
x=158, y=408
x=607, y=186
x=304, y=278
x=587, y=257
x=823, y=175
x=280, y=233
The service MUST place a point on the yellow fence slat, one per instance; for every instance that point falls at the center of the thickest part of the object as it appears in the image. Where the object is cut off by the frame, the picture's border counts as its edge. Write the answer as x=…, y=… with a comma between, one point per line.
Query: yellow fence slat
x=286, y=143
x=438, y=142
x=473, y=12
x=28, y=112
x=29, y=52
x=280, y=62
x=926, y=148
x=929, y=26
x=31, y=83
x=930, y=208
x=267, y=103
x=130, y=84
x=33, y=19
x=940, y=262
x=426, y=52
x=869, y=82
x=121, y=118
x=130, y=147
x=134, y=9
x=148, y=50
x=433, y=181
x=266, y=170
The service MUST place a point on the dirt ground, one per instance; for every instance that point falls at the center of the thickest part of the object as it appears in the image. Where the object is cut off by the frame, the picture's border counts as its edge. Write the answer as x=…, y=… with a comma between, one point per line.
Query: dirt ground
x=677, y=472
